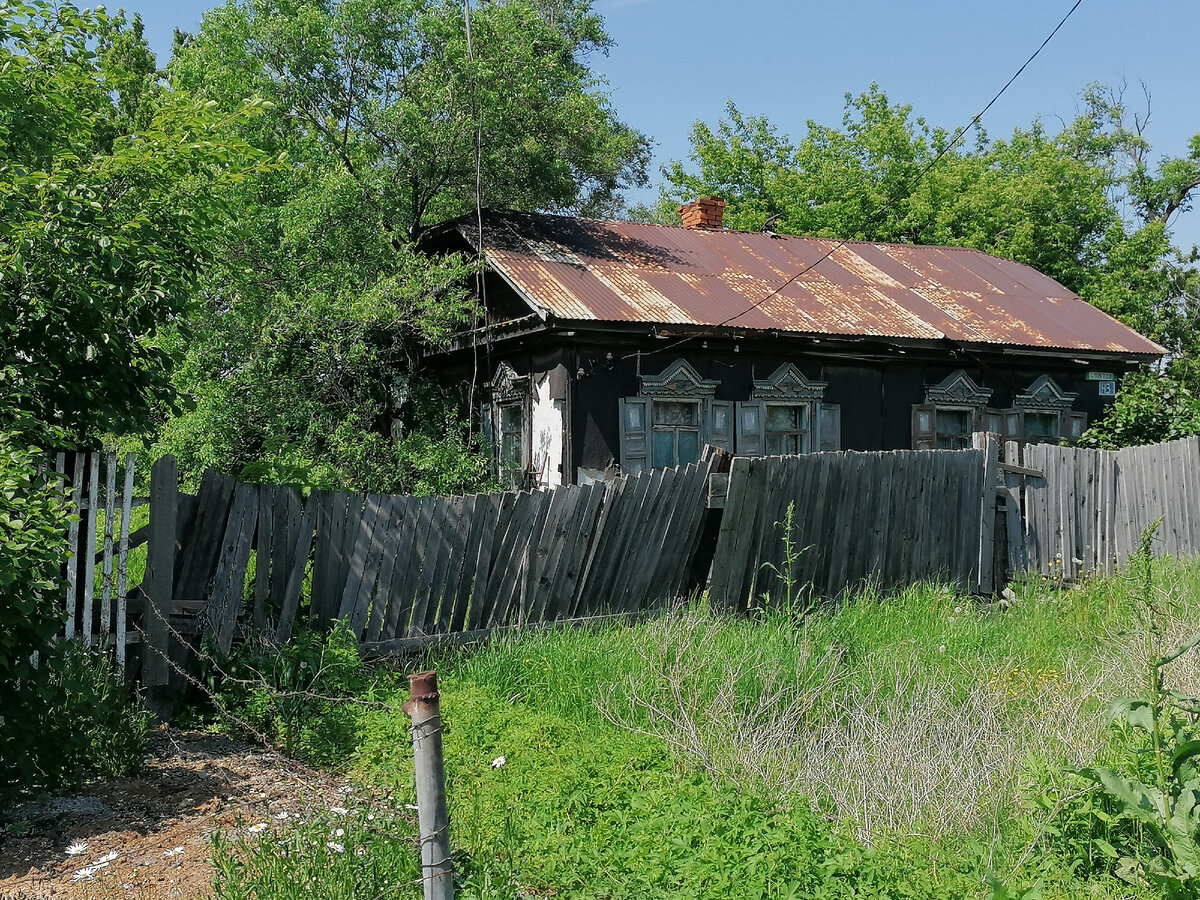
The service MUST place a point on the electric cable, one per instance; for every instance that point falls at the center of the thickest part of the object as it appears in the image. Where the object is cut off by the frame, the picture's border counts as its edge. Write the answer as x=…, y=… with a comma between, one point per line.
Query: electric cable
x=888, y=207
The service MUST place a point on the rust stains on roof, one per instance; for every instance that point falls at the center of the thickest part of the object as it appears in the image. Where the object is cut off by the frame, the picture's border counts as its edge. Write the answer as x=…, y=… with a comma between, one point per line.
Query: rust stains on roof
x=582, y=269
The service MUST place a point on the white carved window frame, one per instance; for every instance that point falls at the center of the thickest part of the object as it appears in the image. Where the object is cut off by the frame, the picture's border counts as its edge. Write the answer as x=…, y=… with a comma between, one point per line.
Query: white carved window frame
x=508, y=396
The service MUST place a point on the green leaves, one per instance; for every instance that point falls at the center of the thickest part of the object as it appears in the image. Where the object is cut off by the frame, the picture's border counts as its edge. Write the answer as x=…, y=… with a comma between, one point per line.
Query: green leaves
x=113, y=191
x=1135, y=799
x=1148, y=409
x=300, y=361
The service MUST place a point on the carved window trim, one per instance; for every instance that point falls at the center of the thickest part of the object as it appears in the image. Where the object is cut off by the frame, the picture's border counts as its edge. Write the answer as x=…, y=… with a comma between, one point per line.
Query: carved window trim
x=680, y=380
x=508, y=385
x=1044, y=395
x=787, y=384
x=958, y=389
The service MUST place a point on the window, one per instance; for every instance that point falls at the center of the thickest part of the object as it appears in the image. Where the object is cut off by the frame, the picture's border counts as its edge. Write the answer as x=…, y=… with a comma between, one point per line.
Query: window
x=674, y=415
x=1041, y=427
x=511, y=444
x=1045, y=413
x=787, y=427
x=787, y=416
x=954, y=428
x=676, y=432
x=505, y=423
x=953, y=409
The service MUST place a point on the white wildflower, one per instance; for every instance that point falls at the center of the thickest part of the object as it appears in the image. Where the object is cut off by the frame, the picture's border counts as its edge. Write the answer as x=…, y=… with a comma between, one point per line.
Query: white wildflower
x=370, y=817
x=335, y=846
x=77, y=848
x=958, y=610
x=339, y=832
x=280, y=816
x=411, y=806
x=174, y=851
x=338, y=810
x=942, y=648
x=108, y=857
x=255, y=829
x=88, y=871
x=499, y=762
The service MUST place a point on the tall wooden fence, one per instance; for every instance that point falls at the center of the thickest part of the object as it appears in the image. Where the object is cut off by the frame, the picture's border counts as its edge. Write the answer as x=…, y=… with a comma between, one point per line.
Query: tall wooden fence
x=1083, y=511
x=890, y=518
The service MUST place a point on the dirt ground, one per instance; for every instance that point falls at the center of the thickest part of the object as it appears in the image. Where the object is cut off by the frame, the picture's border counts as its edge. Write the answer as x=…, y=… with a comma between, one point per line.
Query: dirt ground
x=158, y=823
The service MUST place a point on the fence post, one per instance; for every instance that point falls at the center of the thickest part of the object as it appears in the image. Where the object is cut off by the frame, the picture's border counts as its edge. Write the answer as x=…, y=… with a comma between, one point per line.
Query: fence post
x=159, y=582
x=436, y=865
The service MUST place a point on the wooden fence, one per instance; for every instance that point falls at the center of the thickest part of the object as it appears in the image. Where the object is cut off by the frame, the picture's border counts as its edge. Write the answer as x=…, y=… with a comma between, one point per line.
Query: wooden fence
x=237, y=558
x=1083, y=511
x=400, y=569
x=98, y=481
x=890, y=518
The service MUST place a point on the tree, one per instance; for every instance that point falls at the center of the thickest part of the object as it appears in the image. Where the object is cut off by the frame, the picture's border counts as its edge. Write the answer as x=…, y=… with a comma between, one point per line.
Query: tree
x=394, y=91
x=112, y=192
x=303, y=364
x=1149, y=408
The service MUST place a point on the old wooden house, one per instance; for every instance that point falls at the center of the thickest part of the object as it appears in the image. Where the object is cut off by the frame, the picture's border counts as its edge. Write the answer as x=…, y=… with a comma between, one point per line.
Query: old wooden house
x=618, y=346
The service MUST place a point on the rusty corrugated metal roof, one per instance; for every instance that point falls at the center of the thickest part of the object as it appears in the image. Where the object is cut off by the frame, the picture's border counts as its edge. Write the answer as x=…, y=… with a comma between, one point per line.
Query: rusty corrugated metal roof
x=583, y=269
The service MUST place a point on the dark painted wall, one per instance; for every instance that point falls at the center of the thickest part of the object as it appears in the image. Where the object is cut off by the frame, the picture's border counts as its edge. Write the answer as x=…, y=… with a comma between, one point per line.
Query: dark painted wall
x=875, y=385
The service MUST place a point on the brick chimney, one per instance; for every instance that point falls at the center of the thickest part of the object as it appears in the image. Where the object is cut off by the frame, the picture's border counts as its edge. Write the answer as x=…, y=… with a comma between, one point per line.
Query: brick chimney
x=704, y=213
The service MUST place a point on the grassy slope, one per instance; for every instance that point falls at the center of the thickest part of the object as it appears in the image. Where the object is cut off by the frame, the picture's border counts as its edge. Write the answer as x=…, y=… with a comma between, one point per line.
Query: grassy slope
x=930, y=733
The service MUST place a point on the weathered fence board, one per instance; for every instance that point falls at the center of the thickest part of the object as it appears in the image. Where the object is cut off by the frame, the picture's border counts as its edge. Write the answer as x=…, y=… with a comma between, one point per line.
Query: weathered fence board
x=1088, y=511
x=160, y=570
x=229, y=580
x=891, y=517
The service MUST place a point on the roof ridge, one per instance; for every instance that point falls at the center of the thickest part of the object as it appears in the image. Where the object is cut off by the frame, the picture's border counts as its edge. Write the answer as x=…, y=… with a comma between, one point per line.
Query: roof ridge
x=738, y=231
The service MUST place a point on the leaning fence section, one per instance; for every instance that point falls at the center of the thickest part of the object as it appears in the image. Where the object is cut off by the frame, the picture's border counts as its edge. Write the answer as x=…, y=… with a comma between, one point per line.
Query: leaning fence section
x=401, y=569
x=889, y=518
x=1083, y=511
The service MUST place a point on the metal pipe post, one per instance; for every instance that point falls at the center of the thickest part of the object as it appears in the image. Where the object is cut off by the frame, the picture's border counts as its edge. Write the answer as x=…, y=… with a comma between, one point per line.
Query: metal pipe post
x=437, y=868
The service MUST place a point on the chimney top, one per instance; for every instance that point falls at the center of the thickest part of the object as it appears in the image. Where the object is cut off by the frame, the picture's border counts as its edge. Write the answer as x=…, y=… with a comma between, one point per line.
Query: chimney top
x=703, y=213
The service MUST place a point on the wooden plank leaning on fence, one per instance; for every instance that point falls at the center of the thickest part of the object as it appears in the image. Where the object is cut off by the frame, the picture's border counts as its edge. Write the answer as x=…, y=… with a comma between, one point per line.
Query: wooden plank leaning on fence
x=229, y=580
x=987, y=513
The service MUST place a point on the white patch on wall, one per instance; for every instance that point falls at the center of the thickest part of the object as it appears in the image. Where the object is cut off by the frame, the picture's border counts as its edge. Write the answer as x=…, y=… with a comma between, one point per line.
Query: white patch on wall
x=547, y=447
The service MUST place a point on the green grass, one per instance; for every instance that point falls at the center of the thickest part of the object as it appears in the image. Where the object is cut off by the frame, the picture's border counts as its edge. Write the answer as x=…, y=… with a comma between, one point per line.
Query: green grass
x=900, y=746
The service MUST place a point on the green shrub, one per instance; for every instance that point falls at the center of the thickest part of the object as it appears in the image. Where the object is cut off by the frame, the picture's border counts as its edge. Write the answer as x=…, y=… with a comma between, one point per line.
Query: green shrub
x=33, y=547
x=306, y=695
x=80, y=723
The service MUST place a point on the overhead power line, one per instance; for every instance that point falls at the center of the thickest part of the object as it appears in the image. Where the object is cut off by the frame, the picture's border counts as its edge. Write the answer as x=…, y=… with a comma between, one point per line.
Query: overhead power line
x=890, y=206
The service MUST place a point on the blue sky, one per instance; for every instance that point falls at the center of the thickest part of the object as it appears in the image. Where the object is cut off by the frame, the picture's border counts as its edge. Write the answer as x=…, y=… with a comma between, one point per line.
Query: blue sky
x=676, y=62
